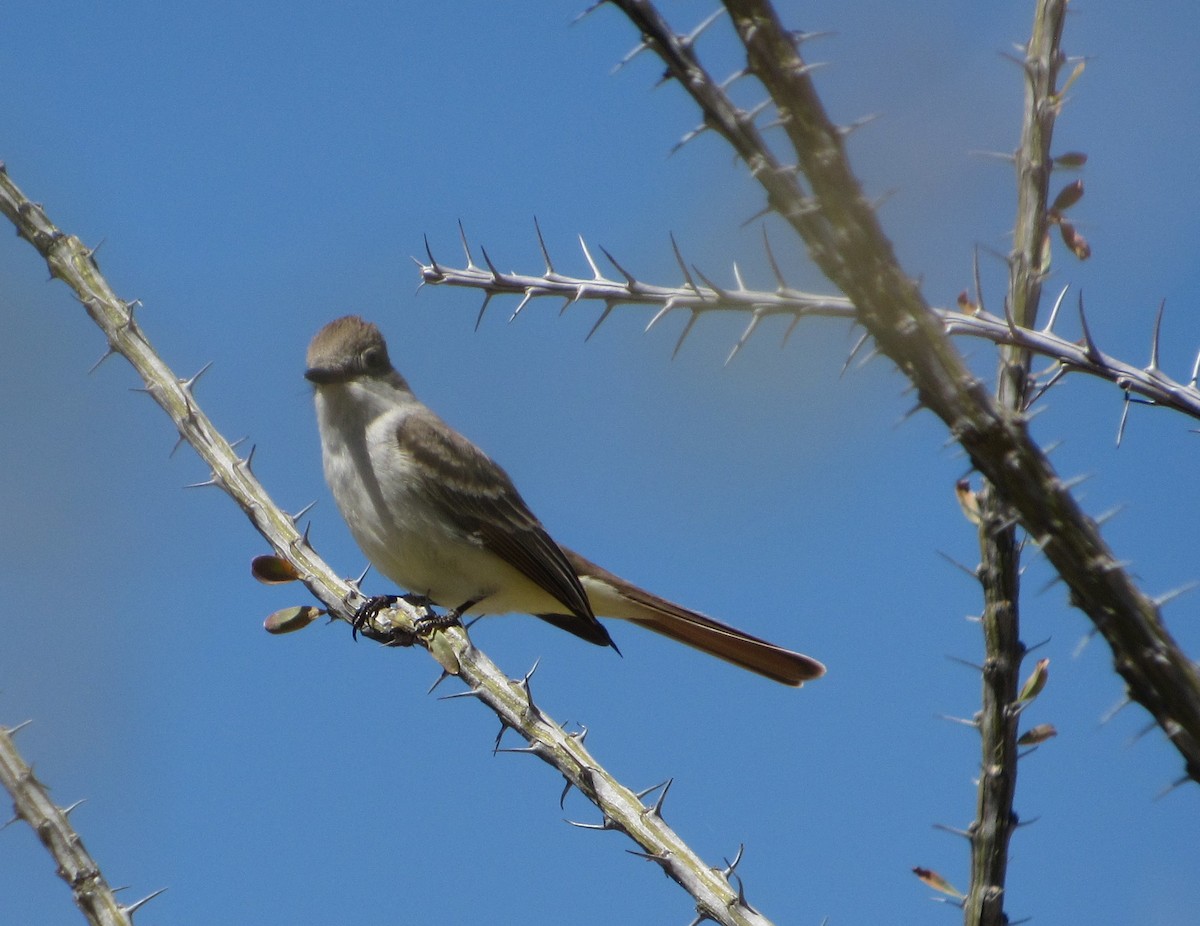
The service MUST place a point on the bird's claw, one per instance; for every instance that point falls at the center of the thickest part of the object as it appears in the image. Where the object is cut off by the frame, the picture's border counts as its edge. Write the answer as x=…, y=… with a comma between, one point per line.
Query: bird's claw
x=367, y=612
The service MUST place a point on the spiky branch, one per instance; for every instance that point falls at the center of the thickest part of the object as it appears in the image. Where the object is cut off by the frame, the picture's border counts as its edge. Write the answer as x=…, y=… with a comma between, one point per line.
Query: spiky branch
x=511, y=700
x=845, y=240
x=92, y=893
x=697, y=299
x=999, y=539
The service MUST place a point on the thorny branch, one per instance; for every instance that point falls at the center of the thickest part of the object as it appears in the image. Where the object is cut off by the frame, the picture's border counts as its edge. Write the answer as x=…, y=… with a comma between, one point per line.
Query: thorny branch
x=999, y=539
x=845, y=240
x=1083, y=355
x=511, y=700
x=93, y=894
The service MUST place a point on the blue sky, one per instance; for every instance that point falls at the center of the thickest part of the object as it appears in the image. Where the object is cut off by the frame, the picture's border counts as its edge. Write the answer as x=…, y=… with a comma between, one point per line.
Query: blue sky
x=254, y=170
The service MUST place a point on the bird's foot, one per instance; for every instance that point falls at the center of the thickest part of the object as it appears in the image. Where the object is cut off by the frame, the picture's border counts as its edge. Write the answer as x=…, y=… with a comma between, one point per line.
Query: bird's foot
x=451, y=618
x=367, y=612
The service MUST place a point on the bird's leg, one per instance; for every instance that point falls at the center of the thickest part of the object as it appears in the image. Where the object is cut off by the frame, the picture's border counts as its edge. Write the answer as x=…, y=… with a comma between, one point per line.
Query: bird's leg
x=449, y=619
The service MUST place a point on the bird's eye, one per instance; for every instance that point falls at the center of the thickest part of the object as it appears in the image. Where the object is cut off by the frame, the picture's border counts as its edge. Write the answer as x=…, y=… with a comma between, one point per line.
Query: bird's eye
x=374, y=359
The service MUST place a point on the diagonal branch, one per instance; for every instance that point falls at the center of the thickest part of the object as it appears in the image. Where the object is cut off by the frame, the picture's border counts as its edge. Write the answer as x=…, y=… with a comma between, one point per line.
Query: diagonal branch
x=623, y=810
x=845, y=240
x=93, y=894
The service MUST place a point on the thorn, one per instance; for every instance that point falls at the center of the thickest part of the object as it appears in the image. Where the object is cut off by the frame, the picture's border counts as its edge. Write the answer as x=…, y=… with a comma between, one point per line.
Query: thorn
x=433, y=264
x=13, y=731
x=687, y=137
x=138, y=904
x=1115, y=709
x=965, y=662
x=974, y=724
x=952, y=830
x=595, y=6
x=302, y=512
x=689, y=40
x=571, y=300
x=469, y=693
x=974, y=574
x=487, y=297
x=545, y=254
x=1168, y=597
x=721, y=294
x=781, y=283
x=1058, y=374
x=1093, y=353
x=1076, y=481
x=66, y=811
x=657, y=810
x=534, y=748
x=1150, y=725
x=731, y=867
x=591, y=262
x=608, y=307
x=733, y=78
x=1008, y=318
x=652, y=857
x=845, y=131
x=1083, y=642
x=1195, y=372
x=1153, y=368
x=362, y=575
x=629, y=277
x=629, y=56
x=978, y=280
x=790, y=328
x=530, y=706
x=248, y=463
x=1167, y=789
x=686, y=329
x=496, y=275
x=660, y=314
x=565, y=791
x=687, y=275
x=765, y=210
x=462, y=236
x=91, y=253
x=754, y=320
x=524, y=302
x=747, y=117
x=579, y=735
x=1054, y=310
x=737, y=278
x=212, y=481
x=606, y=825
x=1102, y=519
x=1124, y=417
x=741, y=897
x=854, y=351
x=178, y=443
x=441, y=678
x=108, y=352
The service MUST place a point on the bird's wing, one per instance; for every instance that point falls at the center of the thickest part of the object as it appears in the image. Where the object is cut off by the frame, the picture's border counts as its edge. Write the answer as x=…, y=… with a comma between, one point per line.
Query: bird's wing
x=477, y=496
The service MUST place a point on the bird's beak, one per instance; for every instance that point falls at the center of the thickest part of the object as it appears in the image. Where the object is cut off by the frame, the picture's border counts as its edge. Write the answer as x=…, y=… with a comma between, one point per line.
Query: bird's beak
x=324, y=375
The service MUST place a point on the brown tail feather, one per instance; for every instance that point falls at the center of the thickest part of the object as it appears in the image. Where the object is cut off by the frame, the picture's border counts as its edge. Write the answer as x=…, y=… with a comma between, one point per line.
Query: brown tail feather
x=735, y=646
x=696, y=630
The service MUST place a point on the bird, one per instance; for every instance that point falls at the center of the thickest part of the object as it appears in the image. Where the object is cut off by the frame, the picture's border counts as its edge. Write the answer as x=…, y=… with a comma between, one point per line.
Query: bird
x=434, y=514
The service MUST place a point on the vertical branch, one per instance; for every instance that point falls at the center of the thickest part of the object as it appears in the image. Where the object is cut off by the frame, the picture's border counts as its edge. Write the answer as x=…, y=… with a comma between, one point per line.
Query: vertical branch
x=999, y=543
